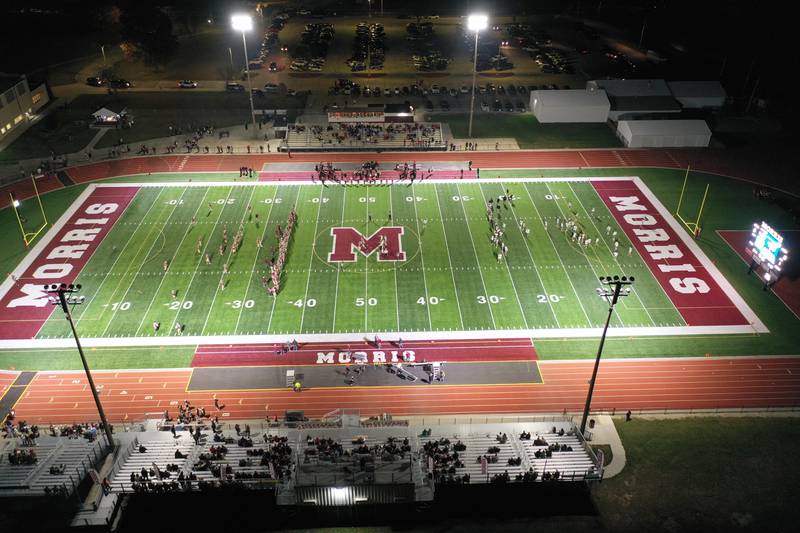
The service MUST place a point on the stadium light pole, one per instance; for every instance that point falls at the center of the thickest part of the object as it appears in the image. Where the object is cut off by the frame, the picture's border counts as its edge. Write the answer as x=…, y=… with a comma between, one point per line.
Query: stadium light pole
x=614, y=288
x=475, y=23
x=244, y=23
x=63, y=295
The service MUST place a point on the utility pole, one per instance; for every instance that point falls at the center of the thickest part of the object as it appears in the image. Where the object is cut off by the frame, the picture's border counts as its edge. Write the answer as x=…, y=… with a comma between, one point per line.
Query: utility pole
x=612, y=292
x=59, y=296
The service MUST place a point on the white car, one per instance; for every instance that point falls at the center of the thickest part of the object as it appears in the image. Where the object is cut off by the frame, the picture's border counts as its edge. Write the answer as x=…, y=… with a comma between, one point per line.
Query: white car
x=187, y=84
x=435, y=89
x=464, y=89
x=387, y=92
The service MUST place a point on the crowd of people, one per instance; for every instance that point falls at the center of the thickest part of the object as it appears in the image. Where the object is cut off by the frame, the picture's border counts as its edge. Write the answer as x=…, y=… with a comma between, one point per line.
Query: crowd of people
x=22, y=457
x=417, y=135
x=494, y=214
x=443, y=460
x=276, y=267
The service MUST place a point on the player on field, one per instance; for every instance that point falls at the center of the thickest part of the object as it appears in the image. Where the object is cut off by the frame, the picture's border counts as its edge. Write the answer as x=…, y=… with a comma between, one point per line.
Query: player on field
x=174, y=293
x=630, y=250
x=156, y=326
x=222, y=284
x=165, y=265
x=608, y=230
x=194, y=220
x=208, y=259
x=225, y=268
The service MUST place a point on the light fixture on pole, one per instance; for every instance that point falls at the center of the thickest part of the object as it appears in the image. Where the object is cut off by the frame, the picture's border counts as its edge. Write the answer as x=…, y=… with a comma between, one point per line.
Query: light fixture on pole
x=63, y=295
x=103, y=50
x=614, y=288
x=475, y=23
x=244, y=23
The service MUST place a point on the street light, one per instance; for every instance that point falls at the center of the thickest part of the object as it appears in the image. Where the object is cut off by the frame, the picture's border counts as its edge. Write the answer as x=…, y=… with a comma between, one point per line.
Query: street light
x=63, y=295
x=103, y=50
x=612, y=292
x=244, y=23
x=475, y=23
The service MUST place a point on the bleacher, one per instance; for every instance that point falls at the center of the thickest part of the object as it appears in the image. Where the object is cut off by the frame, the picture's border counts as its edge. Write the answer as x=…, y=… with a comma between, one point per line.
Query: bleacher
x=250, y=473
x=78, y=456
x=571, y=465
x=367, y=136
x=320, y=468
x=477, y=445
x=160, y=450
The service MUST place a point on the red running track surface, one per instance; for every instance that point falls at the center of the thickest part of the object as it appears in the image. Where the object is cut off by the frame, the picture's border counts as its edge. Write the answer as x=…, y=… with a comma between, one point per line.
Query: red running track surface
x=419, y=351
x=24, y=189
x=63, y=397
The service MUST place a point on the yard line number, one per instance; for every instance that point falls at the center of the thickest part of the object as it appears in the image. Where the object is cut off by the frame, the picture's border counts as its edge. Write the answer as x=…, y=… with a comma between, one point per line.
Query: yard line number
x=545, y=298
x=310, y=302
x=432, y=300
x=361, y=302
x=491, y=298
x=178, y=305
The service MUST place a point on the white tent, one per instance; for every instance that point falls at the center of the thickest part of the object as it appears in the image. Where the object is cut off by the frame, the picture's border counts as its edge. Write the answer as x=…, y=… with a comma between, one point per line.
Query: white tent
x=698, y=94
x=105, y=115
x=663, y=133
x=577, y=105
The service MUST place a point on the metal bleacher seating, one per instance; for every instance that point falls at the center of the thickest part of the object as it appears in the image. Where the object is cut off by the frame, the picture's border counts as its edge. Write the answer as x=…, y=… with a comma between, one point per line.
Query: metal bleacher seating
x=367, y=136
x=159, y=450
x=77, y=456
x=477, y=445
x=571, y=465
x=234, y=455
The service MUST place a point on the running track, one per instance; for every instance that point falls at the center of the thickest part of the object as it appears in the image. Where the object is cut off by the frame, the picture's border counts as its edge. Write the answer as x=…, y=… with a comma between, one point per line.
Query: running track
x=714, y=161
x=62, y=397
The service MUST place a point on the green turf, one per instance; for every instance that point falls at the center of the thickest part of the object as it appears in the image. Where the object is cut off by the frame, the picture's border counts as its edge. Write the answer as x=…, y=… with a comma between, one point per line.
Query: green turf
x=529, y=132
x=98, y=358
x=541, y=285
x=665, y=183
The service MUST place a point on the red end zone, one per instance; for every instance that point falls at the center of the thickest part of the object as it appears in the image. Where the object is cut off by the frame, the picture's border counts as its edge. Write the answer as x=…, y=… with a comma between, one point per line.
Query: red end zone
x=454, y=351
x=59, y=258
x=683, y=275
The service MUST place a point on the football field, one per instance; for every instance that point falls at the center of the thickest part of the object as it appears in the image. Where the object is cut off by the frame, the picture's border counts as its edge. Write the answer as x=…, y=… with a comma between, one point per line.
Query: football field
x=162, y=261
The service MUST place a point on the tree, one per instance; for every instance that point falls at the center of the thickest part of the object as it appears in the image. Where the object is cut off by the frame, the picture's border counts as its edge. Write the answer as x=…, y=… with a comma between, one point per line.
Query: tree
x=147, y=33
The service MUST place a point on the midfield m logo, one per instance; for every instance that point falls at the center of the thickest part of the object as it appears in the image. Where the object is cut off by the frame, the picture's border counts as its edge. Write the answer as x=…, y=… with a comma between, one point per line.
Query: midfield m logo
x=388, y=241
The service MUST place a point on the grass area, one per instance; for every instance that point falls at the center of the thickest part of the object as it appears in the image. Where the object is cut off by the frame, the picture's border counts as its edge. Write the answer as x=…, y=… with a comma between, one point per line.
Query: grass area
x=608, y=455
x=529, y=132
x=98, y=358
x=155, y=112
x=710, y=474
x=64, y=130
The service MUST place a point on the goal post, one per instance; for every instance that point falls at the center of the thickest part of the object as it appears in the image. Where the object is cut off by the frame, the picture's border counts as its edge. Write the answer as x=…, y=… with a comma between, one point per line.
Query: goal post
x=694, y=226
x=29, y=234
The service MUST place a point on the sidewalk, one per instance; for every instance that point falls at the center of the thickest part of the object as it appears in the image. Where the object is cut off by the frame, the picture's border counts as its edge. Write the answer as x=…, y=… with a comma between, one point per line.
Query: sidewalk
x=605, y=432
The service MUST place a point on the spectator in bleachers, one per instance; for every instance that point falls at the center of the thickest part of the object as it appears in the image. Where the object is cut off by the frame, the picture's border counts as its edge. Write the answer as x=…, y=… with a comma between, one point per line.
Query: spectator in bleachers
x=57, y=470
x=22, y=457
x=525, y=436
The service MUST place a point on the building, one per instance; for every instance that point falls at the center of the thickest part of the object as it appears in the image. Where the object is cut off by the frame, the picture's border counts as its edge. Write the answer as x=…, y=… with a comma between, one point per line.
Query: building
x=663, y=133
x=18, y=104
x=698, y=94
x=630, y=98
x=578, y=105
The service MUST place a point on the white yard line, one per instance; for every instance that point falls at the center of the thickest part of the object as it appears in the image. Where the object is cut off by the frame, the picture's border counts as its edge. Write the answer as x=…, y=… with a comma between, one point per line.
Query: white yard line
x=338, y=264
x=255, y=260
x=422, y=260
x=202, y=255
x=160, y=283
x=477, y=261
x=394, y=267
x=555, y=250
x=611, y=253
x=146, y=258
x=533, y=262
x=505, y=261
x=449, y=259
x=311, y=259
x=107, y=276
x=218, y=290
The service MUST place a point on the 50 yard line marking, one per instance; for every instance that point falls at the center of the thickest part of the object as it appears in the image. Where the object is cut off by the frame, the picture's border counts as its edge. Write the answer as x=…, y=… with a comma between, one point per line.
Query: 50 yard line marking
x=139, y=268
x=202, y=255
x=449, y=259
x=217, y=289
x=255, y=260
x=311, y=258
x=105, y=278
x=338, y=264
x=164, y=277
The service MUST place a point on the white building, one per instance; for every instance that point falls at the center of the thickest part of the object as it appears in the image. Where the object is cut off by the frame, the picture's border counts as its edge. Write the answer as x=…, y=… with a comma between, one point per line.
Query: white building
x=18, y=103
x=577, y=105
x=663, y=133
x=630, y=98
x=698, y=94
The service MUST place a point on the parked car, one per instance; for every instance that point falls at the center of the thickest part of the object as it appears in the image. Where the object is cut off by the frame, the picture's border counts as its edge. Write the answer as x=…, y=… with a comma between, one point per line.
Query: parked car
x=270, y=87
x=484, y=105
x=120, y=84
x=509, y=107
x=94, y=81
x=498, y=106
x=273, y=67
x=464, y=89
x=445, y=105
x=428, y=105
x=520, y=107
x=232, y=86
x=187, y=84
x=453, y=92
